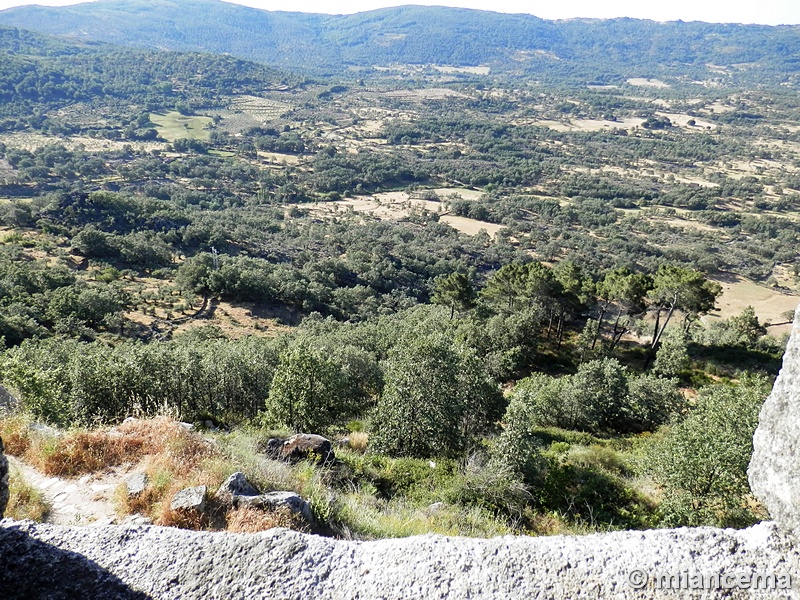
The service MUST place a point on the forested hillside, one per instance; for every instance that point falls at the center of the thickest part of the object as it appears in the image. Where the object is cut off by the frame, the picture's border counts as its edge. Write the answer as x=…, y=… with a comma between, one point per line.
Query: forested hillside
x=514, y=305
x=580, y=49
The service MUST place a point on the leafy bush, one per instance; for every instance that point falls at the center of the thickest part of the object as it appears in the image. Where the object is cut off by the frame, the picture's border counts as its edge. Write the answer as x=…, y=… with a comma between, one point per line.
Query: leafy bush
x=702, y=461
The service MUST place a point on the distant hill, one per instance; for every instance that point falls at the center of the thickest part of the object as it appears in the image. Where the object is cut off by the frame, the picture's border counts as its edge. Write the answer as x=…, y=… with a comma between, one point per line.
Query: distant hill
x=592, y=50
x=39, y=70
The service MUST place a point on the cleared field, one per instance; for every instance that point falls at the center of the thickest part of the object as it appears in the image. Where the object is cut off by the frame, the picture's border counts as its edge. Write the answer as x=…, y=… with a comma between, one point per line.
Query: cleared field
x=174, y=126
x=397, y=205
x=644, y=82
x=471, y=226
x=465, y=193
x=589, y=124
x=261, y=109
x=278, y=158
x=426, y=94
x=739, y=293
x=34, y=141
x=469, y=70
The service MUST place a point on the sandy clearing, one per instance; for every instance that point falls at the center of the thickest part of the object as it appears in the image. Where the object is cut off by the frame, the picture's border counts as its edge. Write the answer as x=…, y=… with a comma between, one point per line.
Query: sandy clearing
x=739, y=293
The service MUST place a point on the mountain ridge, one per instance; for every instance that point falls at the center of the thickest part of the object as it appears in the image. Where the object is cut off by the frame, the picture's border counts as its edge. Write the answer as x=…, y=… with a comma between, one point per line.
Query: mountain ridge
x=516, y=43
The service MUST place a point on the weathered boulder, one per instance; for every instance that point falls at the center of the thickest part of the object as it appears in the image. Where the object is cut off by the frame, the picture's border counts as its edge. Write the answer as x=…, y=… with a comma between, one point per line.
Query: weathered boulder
x=166, y=563
x=301, y=446
x=191, y=499
x=136, y=484
x=235, y=486
x=774, y=470
x=275, y=500
x=3, y=480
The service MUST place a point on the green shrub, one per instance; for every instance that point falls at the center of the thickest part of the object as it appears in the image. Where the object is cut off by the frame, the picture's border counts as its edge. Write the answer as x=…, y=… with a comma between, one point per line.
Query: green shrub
x=702, y=461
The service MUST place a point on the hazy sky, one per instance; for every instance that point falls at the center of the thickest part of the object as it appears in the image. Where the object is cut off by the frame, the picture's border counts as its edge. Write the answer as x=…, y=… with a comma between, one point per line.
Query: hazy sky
x=770, y=12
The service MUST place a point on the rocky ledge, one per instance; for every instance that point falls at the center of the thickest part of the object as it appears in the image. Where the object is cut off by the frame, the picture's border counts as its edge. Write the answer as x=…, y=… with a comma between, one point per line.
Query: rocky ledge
x=42, y=561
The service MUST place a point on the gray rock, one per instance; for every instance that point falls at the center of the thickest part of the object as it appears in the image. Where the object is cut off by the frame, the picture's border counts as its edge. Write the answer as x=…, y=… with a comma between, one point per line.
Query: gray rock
x=190, y=499
x=3, y=480
x=301, y=446
x=166, y=563
x=7, y=401
x=276, y=500
x=774, y=470
x=235, y=486
x=136, y=484
x=44, y=429
x=136, y=520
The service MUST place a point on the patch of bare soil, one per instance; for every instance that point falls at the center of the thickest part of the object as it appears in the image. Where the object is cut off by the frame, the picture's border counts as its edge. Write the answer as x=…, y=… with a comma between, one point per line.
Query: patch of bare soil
x=86, y=500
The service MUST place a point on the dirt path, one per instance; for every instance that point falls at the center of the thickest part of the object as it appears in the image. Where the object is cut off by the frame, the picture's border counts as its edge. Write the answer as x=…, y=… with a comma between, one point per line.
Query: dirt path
x=87, y=500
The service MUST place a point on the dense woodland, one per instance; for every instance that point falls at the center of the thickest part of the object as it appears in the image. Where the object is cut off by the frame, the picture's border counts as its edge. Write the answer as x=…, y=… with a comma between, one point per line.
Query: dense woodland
x=167, y=248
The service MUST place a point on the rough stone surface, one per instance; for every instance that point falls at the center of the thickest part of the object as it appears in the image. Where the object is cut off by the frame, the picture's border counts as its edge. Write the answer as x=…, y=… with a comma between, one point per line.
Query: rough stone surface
x=3, y=480
x=275, y=500
x=236, y=485
x=301, y=446
x=7, y=400
x=136, y=484
x=163, y=563
x=190, y=499
x=774, y=470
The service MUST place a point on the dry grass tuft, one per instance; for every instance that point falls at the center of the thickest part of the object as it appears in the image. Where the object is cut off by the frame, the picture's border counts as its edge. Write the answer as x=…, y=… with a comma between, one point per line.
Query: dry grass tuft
x=81, y=452
x=358, y=441
x=183, y=519
x=250, y=520
x=15, y=434
x=16, y=444
x=87, y=452
x=24, y=501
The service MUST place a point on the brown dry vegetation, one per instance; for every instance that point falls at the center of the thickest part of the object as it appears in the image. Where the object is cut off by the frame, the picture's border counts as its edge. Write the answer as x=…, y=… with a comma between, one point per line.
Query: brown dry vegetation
x=250, y=520
x=172, y=456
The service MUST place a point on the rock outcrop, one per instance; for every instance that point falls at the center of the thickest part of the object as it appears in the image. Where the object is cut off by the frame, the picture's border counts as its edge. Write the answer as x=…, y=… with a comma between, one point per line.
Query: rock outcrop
x=166, y=563
x=301, y=446
x=136, y=484
x=3, y=480
x=238, y=491
x=774, y=470
x=234, y=486
x=191, y=499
